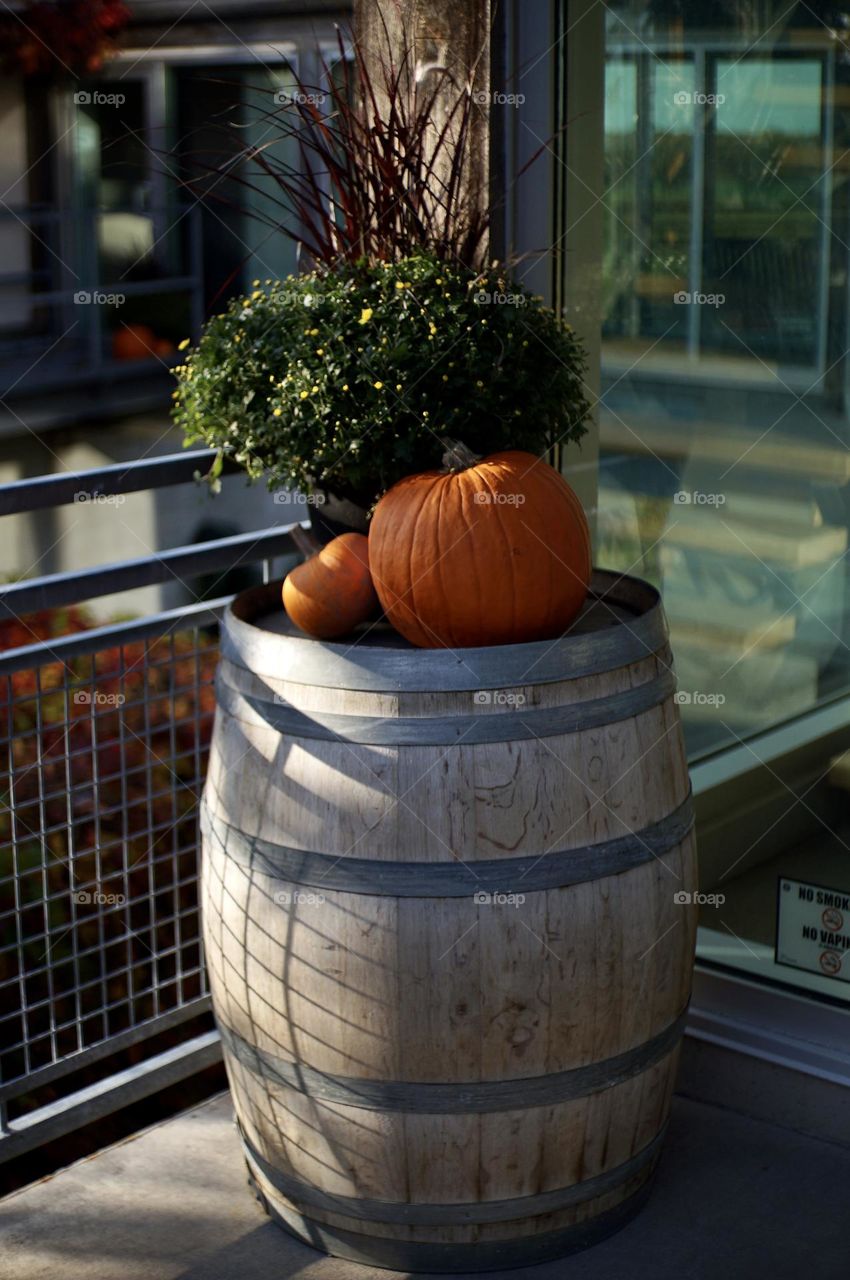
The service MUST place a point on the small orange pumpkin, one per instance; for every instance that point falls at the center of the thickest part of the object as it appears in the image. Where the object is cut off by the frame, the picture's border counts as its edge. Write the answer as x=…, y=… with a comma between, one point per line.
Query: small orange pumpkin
x=486, y=552
x=133, y=342
x=329, y=594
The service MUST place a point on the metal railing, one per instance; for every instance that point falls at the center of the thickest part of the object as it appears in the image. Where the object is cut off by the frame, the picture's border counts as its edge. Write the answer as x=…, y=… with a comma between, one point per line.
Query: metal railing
x=104, y=732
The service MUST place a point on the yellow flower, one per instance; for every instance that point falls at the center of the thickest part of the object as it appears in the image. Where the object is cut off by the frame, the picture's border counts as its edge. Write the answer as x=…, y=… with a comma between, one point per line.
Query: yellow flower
x=445, y=377
x=479, y=383
x=432, y=326
x=398, y=386
x=304, y=395
x=439, y=280
x=320, y=351
x=365, y=315
x=277, y=412
x=402, y=284
x=313, y=390
x=378, y=385
x=313, y=333
x=181, y=346
x=255, y=284
x=345, y=386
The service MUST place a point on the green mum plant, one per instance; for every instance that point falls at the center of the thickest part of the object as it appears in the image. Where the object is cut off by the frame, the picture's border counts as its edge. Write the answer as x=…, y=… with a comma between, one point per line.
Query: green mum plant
x=345, y=381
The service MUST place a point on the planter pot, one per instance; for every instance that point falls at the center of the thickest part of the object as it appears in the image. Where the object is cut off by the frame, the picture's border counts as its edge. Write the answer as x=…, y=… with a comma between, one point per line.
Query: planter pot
x=447, y=944
x=330, y=516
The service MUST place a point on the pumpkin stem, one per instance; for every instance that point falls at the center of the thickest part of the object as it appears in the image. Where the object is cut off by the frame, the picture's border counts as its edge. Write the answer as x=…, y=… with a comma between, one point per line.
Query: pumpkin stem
x=457, y=456
x=305, y=540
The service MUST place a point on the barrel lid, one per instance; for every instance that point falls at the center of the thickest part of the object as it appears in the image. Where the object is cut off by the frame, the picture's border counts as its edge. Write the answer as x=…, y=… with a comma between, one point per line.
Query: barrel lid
x=621, y=622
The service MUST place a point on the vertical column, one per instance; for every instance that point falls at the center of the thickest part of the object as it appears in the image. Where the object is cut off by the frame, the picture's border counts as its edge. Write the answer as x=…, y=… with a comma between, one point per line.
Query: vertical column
x=447, y=40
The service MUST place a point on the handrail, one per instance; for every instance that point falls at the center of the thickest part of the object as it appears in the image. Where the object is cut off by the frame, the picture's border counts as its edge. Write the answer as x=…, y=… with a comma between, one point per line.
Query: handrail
x=146, y=571
x=79, y=643
x=111, y=289
x=37, y=492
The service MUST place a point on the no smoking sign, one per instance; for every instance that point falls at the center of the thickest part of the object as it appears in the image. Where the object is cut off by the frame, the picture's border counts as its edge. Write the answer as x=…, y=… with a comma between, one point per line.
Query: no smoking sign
x=813, y=928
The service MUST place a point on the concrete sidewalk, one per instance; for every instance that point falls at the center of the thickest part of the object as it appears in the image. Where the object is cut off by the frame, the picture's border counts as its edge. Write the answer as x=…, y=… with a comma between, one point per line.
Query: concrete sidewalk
x=735, y=1199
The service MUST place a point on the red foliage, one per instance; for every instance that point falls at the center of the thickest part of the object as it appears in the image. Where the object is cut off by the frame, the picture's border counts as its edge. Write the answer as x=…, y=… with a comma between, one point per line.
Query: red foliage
x=52, y=37
x=106, y=755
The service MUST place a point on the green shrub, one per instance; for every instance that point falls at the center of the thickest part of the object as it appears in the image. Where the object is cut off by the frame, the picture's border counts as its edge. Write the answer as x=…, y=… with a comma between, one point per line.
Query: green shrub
x=348, y=380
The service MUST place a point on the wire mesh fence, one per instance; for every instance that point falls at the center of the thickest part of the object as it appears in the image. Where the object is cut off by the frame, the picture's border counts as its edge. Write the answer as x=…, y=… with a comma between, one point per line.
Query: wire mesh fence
x=104, y=744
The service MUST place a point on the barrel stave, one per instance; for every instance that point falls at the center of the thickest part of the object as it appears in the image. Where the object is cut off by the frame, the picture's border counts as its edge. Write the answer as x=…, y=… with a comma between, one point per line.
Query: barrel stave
x=347, y=984
x=453, y=1159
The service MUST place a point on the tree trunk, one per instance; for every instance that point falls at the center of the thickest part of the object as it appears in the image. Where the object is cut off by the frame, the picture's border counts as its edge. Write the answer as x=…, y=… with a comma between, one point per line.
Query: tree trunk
x=449, y=39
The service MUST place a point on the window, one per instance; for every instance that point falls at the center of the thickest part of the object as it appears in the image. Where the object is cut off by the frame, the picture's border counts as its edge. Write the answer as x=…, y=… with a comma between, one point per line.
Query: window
x=116, y=152
x=724, y=332
x=721, y=282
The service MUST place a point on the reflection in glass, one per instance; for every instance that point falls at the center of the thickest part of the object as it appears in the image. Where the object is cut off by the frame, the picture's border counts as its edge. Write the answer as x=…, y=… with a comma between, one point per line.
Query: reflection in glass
x=725, y=297
x=723, y=420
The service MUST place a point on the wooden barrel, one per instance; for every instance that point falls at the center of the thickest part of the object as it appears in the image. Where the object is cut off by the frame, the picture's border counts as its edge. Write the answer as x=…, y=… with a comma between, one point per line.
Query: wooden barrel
x=446, y=929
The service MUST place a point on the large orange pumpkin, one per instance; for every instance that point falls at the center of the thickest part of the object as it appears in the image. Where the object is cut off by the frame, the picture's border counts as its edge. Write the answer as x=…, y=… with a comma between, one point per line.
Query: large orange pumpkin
x=329, y=594
x=485, y=552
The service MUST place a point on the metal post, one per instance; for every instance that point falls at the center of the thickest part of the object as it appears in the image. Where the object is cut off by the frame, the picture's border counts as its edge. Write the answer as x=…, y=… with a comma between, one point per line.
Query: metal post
x=695, y=273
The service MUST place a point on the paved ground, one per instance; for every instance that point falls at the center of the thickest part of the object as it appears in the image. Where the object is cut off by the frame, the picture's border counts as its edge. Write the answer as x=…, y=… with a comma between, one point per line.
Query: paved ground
x=735, y=1199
